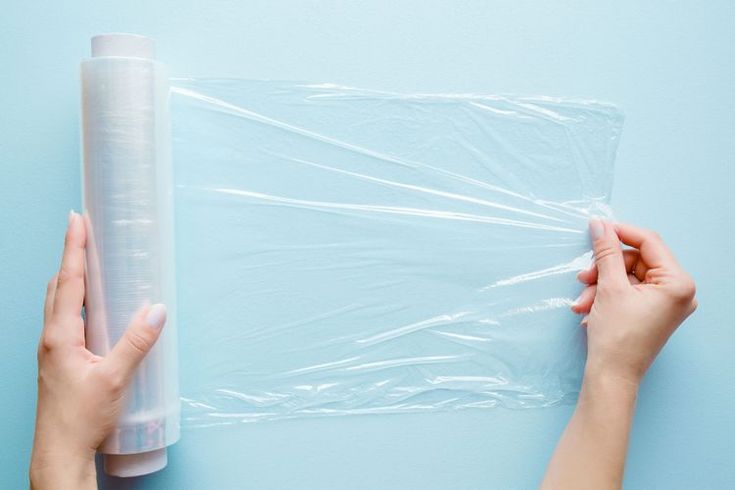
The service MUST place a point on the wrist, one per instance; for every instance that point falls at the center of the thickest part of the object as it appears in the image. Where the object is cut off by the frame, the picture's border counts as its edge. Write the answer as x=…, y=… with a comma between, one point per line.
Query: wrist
x=615, y=371
x=59, y=466
x=63, y=475
x=601, y=377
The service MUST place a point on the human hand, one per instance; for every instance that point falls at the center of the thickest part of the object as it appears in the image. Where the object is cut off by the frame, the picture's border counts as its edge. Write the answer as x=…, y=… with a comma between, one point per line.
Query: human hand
x=634, y=300
x=80, y=394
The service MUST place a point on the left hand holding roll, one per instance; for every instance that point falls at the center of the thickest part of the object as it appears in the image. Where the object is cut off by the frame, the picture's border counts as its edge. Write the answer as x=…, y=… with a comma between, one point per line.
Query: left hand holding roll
x=80, y=394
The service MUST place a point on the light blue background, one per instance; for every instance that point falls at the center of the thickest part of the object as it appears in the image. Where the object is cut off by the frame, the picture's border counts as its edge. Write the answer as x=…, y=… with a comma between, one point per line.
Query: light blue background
x=670, y=67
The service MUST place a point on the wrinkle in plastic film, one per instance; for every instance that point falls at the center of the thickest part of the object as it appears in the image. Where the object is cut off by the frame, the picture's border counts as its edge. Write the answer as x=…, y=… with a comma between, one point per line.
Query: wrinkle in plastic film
x=348, y=251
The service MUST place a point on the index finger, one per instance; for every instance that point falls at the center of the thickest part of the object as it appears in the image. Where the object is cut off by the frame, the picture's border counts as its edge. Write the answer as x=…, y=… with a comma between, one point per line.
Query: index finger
x=653, y=250
x=69, y=295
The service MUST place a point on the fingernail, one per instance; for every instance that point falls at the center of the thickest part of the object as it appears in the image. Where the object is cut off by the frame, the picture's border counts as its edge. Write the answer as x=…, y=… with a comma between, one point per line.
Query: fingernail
x=71, y=215
x=597, y=229
x=156, y=316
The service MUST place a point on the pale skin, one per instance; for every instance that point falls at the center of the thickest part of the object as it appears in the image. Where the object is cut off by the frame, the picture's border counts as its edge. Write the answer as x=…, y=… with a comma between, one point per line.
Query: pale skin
x=80, y=394
x=632, y=303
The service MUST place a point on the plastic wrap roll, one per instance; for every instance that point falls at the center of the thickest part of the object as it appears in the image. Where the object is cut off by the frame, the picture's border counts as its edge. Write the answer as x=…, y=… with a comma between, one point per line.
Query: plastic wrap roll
x=130, y=257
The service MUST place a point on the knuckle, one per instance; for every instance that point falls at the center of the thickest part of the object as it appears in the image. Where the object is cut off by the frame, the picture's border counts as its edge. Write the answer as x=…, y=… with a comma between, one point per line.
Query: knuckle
x=42, y=377
x=695, y=305
x=610, y=289
x=138, y=342
x=605, y=251
x=113, y=380
x=684, y=290
x=650, y=235
x=47, y=344
x=691, y=288
x=68, y=238
x=116, y=383
x=65, y=274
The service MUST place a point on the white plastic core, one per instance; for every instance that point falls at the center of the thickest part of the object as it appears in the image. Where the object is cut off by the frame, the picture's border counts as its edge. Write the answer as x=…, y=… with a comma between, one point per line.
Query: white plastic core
x=121, y=44
x=127, y=465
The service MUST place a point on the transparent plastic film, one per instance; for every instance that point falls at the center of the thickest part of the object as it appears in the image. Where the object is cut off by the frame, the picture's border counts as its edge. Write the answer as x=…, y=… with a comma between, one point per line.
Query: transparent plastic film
x=344, y=251
x=128, y=210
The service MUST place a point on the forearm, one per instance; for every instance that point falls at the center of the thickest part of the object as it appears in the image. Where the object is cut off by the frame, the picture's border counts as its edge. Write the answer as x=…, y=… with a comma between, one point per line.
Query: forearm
x=54, y=465
x=591, y=452
x=63, y=477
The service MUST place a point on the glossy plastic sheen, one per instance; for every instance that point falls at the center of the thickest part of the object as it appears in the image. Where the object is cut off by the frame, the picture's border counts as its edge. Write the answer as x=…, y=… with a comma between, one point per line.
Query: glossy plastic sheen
x=344, y=251
x=128, y=201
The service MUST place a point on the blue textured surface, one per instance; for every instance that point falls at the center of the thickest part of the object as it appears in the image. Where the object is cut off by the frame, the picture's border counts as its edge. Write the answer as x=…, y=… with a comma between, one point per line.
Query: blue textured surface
x=670, y=67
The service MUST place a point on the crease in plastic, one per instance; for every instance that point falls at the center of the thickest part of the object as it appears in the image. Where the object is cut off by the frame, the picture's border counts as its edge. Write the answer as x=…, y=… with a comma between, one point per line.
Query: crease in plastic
x=345, y=251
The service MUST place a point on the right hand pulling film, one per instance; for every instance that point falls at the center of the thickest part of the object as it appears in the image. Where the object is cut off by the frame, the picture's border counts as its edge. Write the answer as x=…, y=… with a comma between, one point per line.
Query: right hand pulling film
x=344, y=251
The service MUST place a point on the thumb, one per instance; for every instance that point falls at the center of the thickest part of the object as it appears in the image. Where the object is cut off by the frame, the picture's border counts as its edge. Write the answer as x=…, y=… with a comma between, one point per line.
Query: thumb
x=138, y=339
x=608, y=254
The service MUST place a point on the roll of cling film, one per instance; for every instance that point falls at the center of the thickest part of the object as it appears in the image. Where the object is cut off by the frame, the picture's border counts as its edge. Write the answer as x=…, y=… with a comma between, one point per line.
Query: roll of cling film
x=128, y=211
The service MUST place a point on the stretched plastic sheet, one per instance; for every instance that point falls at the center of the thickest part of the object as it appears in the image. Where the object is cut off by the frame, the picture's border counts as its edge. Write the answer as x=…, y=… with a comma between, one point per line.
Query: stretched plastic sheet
x=347, y=251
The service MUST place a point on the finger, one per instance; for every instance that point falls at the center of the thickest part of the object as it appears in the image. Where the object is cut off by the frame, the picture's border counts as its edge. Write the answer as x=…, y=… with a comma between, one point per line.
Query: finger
x=48, y=304
x=634, y=265
x=608, y=254
x=137, y=340
x=588, y=276
x=583, y=303
x=653, y=251
x=631, y=258
x=69, y=294
x=633, y=280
